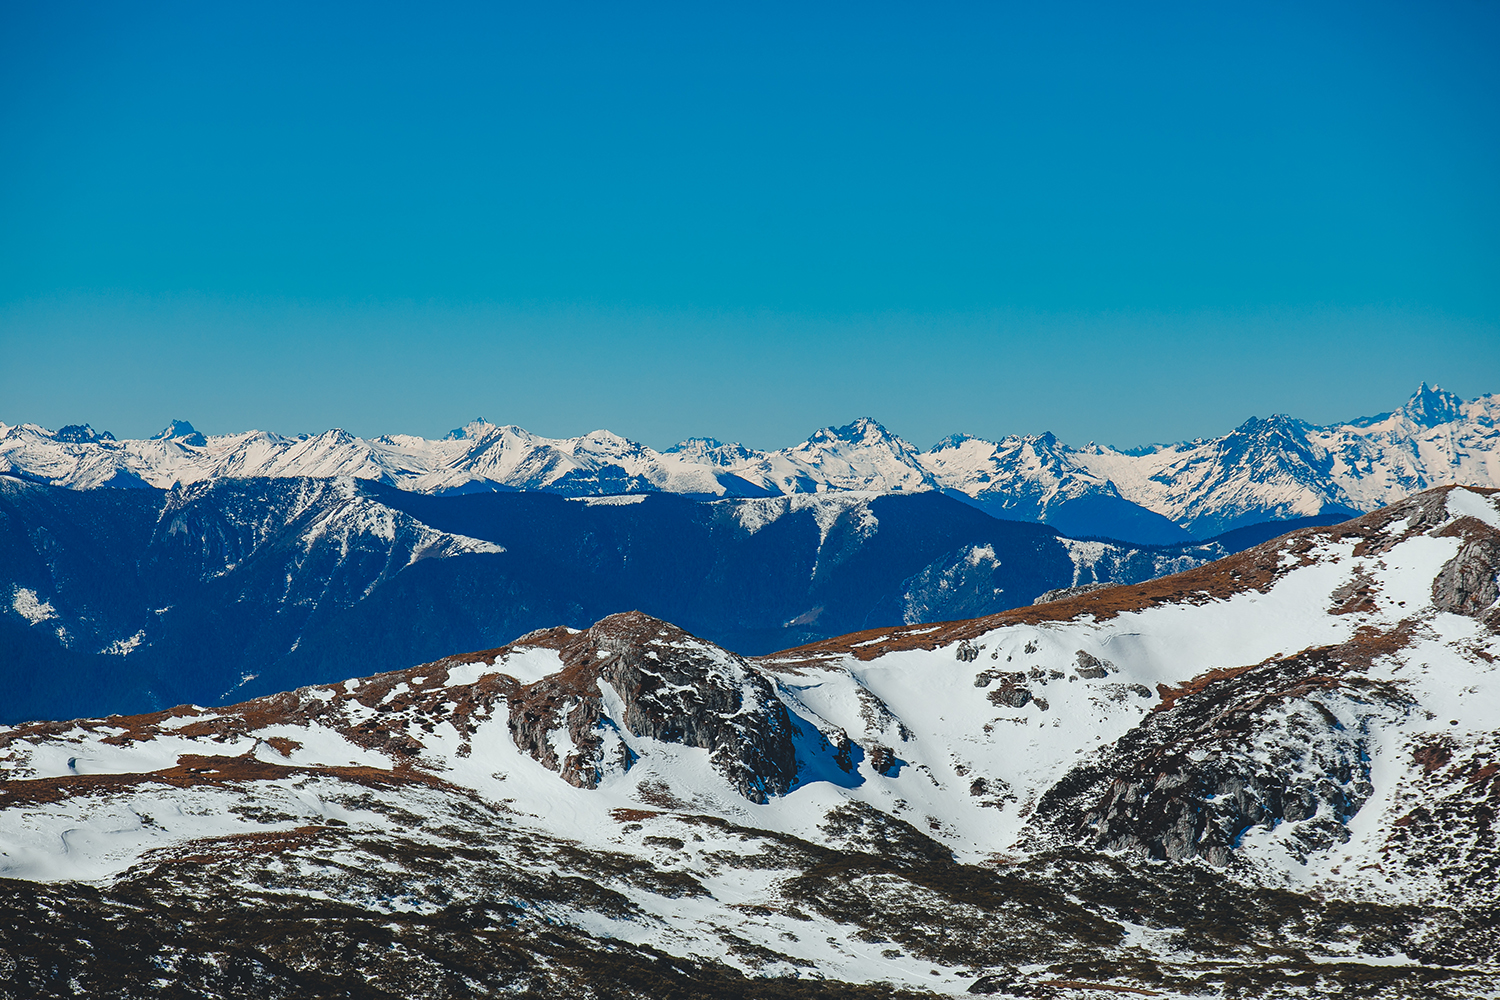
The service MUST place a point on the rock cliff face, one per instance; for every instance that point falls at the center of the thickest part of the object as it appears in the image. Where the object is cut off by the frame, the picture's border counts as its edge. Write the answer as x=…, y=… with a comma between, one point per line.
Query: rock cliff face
x=638, y=674
x=1467, y=584
x=1283, y=744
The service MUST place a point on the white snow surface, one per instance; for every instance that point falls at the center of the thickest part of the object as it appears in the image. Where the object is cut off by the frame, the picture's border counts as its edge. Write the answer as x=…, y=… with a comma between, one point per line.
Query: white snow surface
x=1466, y=503
x=827, y=510
x=25, y=603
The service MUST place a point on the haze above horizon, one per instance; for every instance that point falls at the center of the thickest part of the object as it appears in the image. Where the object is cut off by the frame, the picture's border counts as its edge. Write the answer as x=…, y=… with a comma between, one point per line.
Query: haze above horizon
x=745, y=222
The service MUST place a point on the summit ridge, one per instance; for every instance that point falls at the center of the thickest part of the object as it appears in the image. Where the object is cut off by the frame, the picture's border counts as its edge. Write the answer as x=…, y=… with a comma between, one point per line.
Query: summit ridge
x=1266, y=469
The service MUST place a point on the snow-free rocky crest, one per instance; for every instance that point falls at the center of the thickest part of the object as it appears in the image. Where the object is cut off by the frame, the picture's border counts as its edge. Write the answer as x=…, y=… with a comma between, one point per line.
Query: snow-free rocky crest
x=1273, y=775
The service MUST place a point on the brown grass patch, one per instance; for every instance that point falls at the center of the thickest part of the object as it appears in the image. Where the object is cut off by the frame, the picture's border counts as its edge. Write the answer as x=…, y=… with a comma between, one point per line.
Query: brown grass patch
x=632, y=815
x=1432, y=756
x=282, y=744
x=197, y=770
x=1170, y=695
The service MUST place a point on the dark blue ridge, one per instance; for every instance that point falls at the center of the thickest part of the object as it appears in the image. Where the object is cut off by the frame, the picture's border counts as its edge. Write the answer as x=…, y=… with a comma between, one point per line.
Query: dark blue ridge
x=231, y=579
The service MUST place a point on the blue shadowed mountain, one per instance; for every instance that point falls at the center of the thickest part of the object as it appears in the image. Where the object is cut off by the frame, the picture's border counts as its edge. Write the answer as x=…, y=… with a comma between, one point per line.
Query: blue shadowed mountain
x=123, y=600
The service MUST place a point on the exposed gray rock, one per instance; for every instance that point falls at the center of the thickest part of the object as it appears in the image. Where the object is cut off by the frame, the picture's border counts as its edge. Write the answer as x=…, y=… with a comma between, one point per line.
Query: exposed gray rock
x=884, y=760
x=843, y=750
x=1217, y=760
x=1467, y=584
x=1062, y=593
x=674, y=688
x=1091, y=667
x=1012, y=692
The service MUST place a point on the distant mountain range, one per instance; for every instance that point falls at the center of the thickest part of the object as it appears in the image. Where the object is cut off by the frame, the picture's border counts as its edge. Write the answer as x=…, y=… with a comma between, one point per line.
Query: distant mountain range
x=1270, y=469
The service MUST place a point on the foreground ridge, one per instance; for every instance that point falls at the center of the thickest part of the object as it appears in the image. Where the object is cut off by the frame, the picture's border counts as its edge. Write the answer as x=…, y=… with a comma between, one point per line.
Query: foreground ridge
x=1273, y=775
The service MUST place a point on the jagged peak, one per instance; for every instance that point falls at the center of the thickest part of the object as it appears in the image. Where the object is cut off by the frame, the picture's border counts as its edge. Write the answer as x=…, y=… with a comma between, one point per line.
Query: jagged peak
x=699, y=446
x=182, y=432
x=711, y=450
x=1276, y=423
x=475, y=428
x=694, y=443
x=860, y=431
x=1429, y=407
x=81, y=434
x=953, y=441
x=1046, y=440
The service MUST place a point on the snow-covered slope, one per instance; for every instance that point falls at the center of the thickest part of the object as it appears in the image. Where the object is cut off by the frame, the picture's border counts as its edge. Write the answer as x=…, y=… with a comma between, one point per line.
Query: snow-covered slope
x=1267, y=469
x=1273, y=775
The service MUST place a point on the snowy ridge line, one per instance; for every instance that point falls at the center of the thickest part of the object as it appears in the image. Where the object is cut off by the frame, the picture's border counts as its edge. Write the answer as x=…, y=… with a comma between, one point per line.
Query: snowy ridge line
x=1266, y=469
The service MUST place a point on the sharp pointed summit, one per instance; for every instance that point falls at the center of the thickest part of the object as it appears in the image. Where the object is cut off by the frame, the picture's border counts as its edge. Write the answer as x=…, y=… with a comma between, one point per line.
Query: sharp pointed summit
x=181, y=431
x=1429, y=407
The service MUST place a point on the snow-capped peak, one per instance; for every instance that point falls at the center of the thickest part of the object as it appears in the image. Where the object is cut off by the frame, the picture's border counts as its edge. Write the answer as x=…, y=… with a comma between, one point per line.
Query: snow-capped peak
x=711, y=451
x=1266, y=469
x=861, y=455
x=474, y=429
x=861, y=430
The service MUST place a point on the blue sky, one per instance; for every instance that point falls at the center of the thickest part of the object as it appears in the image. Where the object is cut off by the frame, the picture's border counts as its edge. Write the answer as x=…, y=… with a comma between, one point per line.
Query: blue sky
x=1122, y=223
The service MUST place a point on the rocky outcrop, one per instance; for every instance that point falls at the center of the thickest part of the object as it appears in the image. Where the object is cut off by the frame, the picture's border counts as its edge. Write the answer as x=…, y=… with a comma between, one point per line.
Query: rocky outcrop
x=567, y=701
x=1012, y=692
x=1467, y=584
x=1242, y=749
x=1062, y=593
x=1090, y=667
x=666, y=685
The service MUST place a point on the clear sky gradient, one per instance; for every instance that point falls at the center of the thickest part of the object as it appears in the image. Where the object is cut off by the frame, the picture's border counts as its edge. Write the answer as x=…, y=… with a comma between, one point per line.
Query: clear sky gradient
x=1120, y=222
